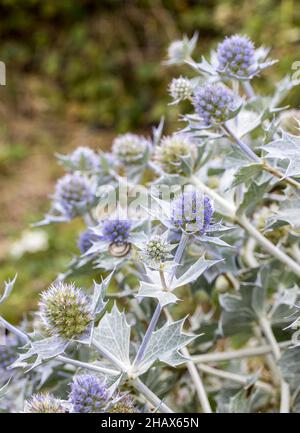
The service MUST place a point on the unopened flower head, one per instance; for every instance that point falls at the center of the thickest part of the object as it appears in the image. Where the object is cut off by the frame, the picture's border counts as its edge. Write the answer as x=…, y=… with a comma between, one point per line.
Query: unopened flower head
x=86, y=240
x=44, y=403
x=172, y=151
x=116, y=231
x=130, y=148
x=125, y=405
x=66, y=311
x=290, y=121
x=88, y=394
x=180, y=89
x=181, y=50
x=156, y=251
x=192, y=212
x=236, y=56
x=214, y=104
x=8, y=355
x=84, y=159
x=74, y=194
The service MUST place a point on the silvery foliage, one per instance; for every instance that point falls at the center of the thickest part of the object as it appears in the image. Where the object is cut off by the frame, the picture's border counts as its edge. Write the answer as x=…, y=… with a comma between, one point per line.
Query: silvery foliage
x=238, y=280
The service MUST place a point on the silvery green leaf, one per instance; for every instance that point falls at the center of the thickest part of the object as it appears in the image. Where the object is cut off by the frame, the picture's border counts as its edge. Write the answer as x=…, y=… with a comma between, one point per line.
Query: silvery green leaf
x=112, y=336
x=98, y=303
x=289, y=364
x=245, y=122
x=41, y=350
x=194, y=272
x=214, y=240
x=157, y=132
x=240, y=403
x=148, y=290
x=253, y=196
x=289, y=211
x=9, y=285
x=246, y=174
x=163, y=343
x=287, y=147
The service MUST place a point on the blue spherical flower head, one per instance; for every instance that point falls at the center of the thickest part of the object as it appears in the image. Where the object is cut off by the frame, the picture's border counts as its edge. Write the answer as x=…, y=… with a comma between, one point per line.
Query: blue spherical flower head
x=74, y=194
x=192, y=212
x=214, y=104
x=85, y=240
x=116, y=231
x=88, y=394
x=236, y=57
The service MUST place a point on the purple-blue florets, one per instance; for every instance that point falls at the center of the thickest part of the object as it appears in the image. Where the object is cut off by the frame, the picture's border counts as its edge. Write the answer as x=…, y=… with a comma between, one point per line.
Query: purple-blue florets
x=213, y=104
x=236, y=56
x=192, y=212
x=88, y=394
x=86, y=240
x=74, y=194
x=116, y=231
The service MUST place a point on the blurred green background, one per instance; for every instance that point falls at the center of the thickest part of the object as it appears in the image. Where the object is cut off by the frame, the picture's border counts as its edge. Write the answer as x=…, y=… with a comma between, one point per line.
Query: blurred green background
x=78, y=72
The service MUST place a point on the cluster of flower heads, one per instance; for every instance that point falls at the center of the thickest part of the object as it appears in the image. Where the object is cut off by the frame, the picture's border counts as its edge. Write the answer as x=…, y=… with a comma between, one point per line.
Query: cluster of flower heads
x=66, y=311
x=236, y=56
x=192, y=212
x=130, y=148
x=44, y=403
x=88, y=394
x=214, y=104
x=173, y=151
x=74, y=194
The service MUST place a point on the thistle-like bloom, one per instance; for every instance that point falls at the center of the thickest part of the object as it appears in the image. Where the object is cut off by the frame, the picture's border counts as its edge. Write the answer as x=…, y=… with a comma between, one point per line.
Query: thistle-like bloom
x=156, y=252
x=84, y=159
x=44, y=403
x=66, y=311
x=173, y=151
x=214, y=104
x=74, y=194
x=116, y=231
x=85, y=240
x=130, y=148
x=180, y=89
x=7, y=356
x=192, y=212
x=125, y=405
x=236, y=57
x=88, y=394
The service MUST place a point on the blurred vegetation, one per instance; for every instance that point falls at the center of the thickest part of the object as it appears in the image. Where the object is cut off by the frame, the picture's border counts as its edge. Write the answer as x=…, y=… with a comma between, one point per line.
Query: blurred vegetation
x=95, y=67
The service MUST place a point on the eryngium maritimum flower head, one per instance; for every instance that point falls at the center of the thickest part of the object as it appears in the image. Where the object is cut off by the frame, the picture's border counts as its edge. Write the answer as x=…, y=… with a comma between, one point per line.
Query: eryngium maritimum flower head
x=236, y=56
x=44, y=403
x=116, y=231
x=125, y=405
x=192, y=212
x=66, y=311
x=84, y=159
x=172, y=150
x=130, y=148
x=214, y=104
x=74, y=194
x=180, y=89
x=88, y=394
x=156, y=251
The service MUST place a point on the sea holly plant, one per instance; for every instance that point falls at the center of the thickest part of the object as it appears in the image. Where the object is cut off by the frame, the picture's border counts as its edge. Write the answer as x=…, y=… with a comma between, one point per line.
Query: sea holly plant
x=192, y=240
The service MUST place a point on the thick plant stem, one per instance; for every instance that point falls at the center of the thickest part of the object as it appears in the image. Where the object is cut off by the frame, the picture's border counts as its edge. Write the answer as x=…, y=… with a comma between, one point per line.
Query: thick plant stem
x=17, y=332
x=230, y=211
x=236, y=354
x=87, y=366
x=285, y=393
x=243, y=146
x=235, y=377
x=150, y=396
